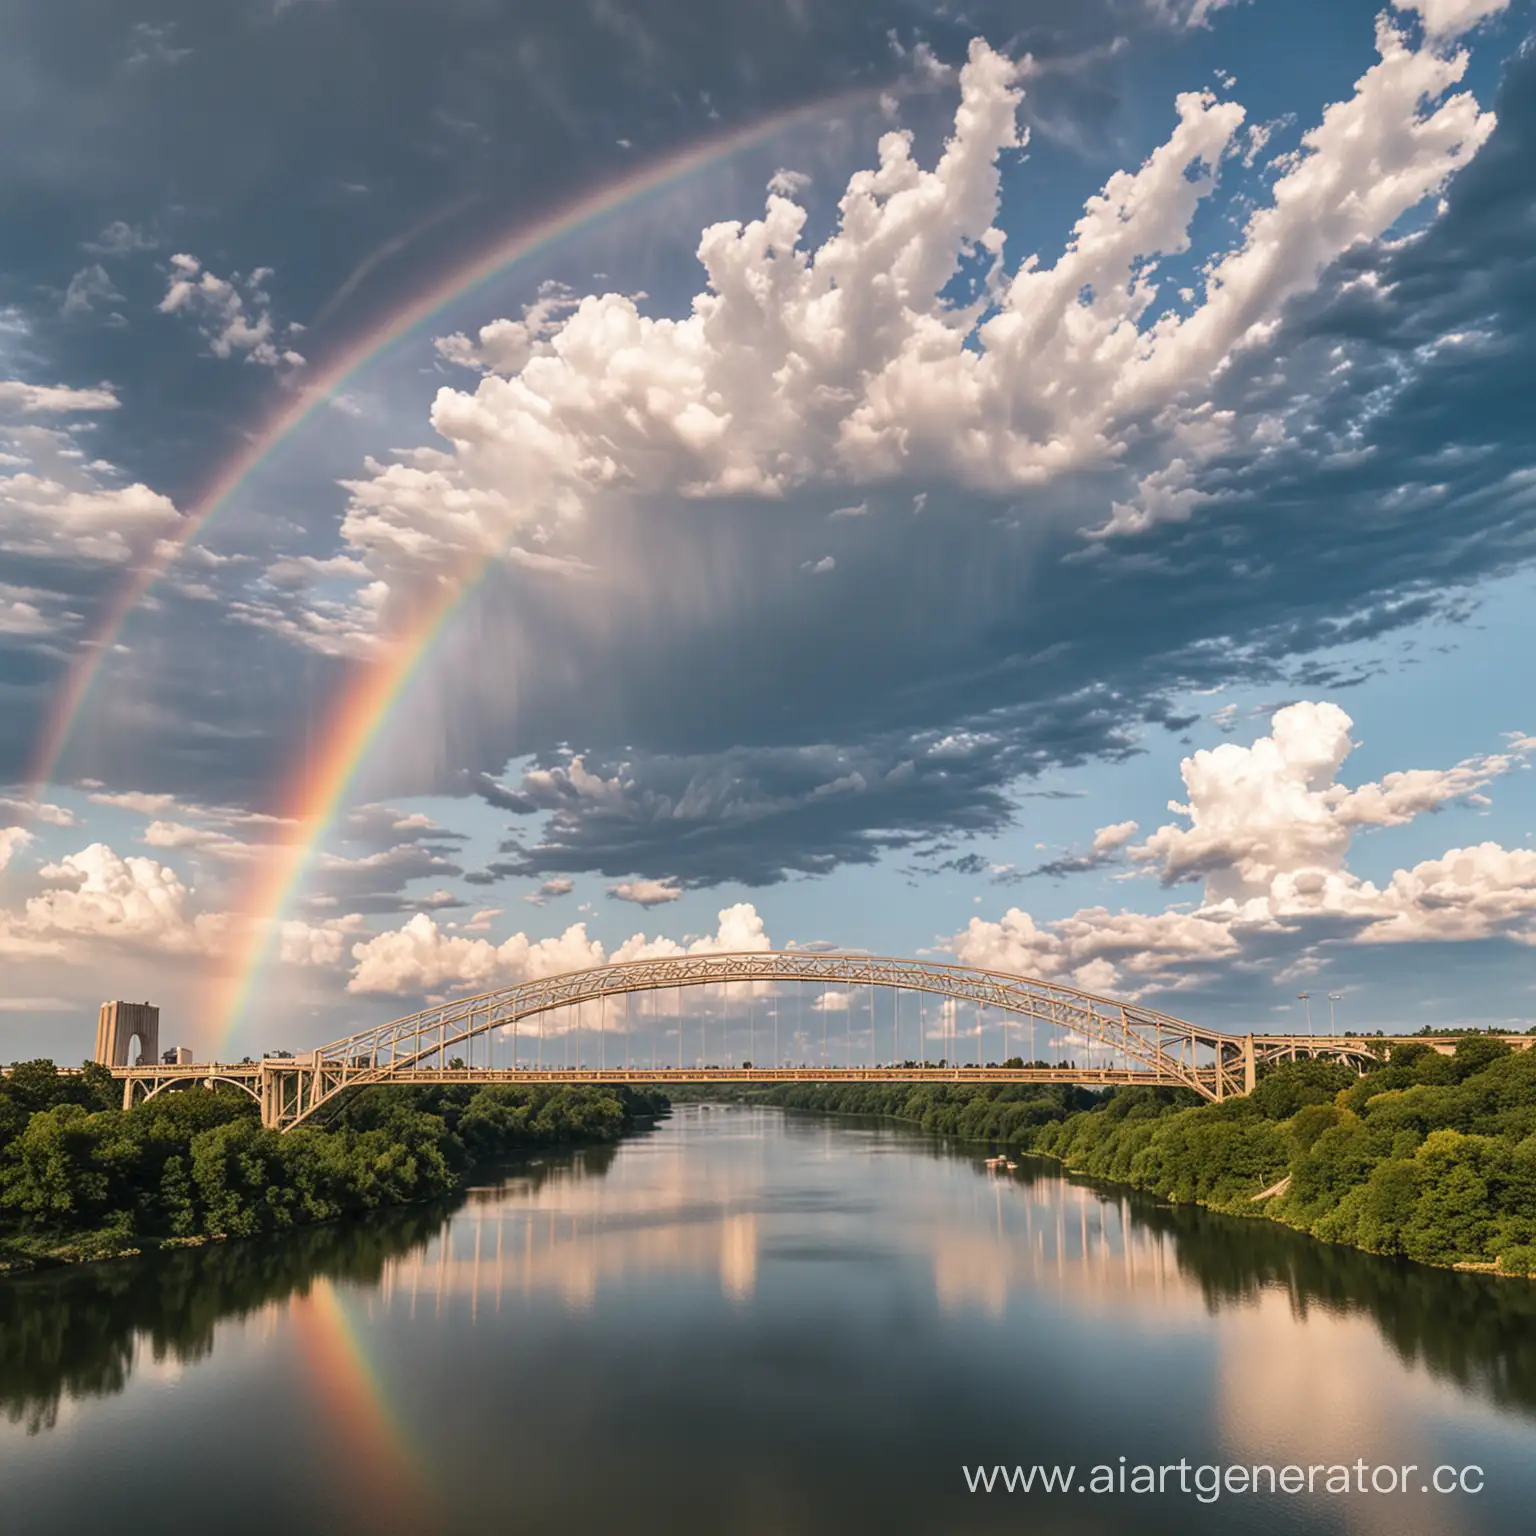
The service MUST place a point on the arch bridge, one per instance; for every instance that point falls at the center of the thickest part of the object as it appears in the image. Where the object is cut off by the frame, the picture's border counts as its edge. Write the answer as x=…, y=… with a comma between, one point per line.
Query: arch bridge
x=1127, y=1043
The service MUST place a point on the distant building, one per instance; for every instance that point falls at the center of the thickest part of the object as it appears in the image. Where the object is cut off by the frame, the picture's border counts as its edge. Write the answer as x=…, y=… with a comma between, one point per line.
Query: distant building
x=119, y=1024
x=176, y=1056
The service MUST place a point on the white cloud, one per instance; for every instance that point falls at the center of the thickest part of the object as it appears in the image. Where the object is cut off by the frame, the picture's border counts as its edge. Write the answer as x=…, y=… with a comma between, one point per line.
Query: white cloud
x=1450, y=18
x=505, y=346
x=1187, y=13
x=50, y=399
x=39, y=810
x=20, y=617
x=1272, y=810
x=831, y=1000
x=1108, y=839
x=212, y=841
x=646, y=893
x=136, y=800
x=12, y=839
x=846, y=365
x=1268, y=828
x=422, y=957
x=97, y=894
x=233, y=315
x=317, y=944
x=70, y=512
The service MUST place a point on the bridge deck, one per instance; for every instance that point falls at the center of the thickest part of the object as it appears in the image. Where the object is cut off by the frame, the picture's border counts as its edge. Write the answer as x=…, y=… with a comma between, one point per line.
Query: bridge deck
x=677, y=1076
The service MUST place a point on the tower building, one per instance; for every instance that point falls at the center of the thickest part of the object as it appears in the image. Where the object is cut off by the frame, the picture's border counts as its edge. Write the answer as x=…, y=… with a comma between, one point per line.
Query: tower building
x=118, y=1024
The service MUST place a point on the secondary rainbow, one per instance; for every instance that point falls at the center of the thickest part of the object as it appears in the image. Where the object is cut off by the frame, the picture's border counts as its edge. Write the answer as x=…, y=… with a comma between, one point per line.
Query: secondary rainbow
x=336, y=371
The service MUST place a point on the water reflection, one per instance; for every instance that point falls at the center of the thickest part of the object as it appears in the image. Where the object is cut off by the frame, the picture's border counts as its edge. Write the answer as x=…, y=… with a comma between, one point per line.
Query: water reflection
x=800, y=1279
x=80, y=1334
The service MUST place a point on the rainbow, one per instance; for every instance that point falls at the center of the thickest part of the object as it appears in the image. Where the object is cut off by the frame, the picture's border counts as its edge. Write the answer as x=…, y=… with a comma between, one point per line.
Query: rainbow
x=524, y=242
x=315, y=795
x=313, y=799
x=389, y=1473
x=317, y=791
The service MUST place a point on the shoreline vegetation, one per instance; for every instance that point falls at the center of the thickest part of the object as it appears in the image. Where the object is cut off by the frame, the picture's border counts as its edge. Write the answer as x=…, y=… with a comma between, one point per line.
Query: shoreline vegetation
x=82, y=1179
x=1425, y=1157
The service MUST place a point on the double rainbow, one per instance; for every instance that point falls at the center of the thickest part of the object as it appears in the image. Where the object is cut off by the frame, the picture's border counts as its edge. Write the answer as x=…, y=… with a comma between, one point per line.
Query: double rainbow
x=314, y=795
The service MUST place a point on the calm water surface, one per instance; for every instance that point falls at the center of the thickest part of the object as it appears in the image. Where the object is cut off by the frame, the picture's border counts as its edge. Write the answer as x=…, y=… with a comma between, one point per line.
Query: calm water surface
x=757, y=1323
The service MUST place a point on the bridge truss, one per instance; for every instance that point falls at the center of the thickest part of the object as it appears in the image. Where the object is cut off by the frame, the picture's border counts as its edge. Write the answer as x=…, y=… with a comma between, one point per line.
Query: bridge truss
x=439, y=1044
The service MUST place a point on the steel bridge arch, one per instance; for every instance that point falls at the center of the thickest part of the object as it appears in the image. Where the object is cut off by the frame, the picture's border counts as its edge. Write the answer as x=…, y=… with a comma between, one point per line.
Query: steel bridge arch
x=142, y=1090
x=1212, y=1063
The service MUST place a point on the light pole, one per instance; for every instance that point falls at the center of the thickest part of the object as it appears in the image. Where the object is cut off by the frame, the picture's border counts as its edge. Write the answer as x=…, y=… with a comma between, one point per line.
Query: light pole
x=1306, y=997
x=1333, y=997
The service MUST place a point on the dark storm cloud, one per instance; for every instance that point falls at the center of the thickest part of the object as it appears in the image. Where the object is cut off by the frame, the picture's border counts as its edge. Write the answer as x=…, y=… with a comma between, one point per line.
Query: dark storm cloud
x=322, y=138
x=376, y=882
x=760, y=722
x=1072, y=864
x=1408, y=477
x=760, y=813
x=354, y=145
x=385, y=826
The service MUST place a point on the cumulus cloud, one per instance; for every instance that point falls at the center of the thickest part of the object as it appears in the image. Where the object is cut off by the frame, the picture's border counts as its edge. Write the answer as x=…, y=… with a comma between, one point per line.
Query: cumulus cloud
x=1270, y=811
x=506, y=346
x=96, y=894
x=853, y=363
x=233, y=314
x=62, y=511
x=317, y=944
x=1268, y=828
x=69, y=512
x=421, y=957
x=596, y=432
x=1450, y=18
x=12, y=839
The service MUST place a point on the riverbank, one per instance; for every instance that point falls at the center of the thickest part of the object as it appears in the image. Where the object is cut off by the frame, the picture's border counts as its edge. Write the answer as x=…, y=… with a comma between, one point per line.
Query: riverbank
x=1427, y=1157
x=83, y=1180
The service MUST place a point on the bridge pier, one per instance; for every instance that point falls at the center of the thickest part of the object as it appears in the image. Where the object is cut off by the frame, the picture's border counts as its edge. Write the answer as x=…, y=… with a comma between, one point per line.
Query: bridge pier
x=1250, y=1066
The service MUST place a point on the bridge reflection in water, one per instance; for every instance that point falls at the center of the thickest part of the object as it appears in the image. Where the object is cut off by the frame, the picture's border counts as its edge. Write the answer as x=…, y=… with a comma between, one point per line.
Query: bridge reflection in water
x=785, y=1290
x=889, y=1020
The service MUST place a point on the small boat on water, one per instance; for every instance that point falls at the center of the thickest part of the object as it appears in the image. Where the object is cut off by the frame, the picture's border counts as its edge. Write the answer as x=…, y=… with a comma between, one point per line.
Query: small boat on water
x=996, y=1162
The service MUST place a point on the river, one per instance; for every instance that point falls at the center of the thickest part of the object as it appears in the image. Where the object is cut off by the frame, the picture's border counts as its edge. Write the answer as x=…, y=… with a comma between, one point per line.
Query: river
x=750, y=1322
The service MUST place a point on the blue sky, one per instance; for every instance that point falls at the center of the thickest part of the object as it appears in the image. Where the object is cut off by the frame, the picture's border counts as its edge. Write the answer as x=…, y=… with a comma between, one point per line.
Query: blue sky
x=865, y=553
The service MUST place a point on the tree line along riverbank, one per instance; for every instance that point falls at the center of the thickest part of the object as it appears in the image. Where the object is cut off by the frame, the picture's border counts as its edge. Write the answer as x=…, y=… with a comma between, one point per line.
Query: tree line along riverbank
x=81, y=1178
x=1426, y=1157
